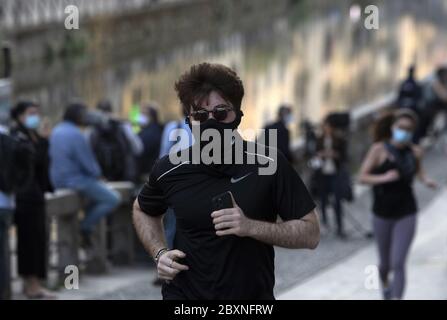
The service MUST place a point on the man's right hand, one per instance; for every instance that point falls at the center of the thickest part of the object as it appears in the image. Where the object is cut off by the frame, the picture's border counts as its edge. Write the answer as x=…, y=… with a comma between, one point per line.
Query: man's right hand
x=167, y=266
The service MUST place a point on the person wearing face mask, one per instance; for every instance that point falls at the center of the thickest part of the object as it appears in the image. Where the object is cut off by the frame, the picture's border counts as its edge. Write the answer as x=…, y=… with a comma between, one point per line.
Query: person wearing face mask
x=221, y=253
x=331, y=148
x=390, y=167
x=151, y=136
x=168, y=146
x=284, y=120
x=30, y=217
x=16, y=170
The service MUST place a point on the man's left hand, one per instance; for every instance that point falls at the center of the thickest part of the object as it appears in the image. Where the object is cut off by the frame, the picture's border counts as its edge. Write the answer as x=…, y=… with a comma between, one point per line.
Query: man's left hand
x=232, y=221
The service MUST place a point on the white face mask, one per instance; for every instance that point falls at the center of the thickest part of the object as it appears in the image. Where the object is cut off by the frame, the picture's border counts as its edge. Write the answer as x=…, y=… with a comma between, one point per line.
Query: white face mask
x=289, y=119
x=143, y=120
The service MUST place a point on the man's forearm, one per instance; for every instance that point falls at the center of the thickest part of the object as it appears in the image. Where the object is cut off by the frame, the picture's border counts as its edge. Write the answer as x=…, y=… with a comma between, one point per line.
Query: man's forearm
x=294, y=234
x=149, y=230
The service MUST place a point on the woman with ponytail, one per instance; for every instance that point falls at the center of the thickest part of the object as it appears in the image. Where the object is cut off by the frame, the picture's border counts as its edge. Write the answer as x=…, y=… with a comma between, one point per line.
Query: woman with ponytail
x=390, y=167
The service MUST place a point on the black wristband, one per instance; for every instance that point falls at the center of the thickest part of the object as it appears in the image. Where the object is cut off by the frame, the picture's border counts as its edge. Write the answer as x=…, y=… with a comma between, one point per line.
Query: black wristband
x=159, y=253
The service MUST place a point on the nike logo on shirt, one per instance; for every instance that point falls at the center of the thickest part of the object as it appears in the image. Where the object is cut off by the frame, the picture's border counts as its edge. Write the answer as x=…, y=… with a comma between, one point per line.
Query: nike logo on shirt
x=234, y=180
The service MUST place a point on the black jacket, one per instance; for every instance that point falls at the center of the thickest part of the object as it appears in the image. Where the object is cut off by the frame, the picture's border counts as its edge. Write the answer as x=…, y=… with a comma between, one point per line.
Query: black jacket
x=283, y=143
x=34, y=191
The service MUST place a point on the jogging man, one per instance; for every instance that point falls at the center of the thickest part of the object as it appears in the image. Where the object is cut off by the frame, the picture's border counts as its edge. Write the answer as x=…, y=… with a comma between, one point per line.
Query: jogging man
x=227, y=253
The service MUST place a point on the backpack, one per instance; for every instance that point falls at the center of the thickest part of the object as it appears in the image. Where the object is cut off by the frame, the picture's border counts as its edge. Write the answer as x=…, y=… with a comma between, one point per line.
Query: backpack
x=110, y=148
x=16, y=163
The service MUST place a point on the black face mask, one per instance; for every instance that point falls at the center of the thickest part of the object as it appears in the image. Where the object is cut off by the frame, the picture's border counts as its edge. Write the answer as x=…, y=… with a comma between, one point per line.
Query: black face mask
x=220, y=127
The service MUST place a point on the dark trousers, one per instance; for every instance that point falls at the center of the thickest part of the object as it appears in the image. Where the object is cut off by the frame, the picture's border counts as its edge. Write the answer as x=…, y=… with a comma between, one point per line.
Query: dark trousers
x=5, y=272
x=328, y=185
x=32, y=246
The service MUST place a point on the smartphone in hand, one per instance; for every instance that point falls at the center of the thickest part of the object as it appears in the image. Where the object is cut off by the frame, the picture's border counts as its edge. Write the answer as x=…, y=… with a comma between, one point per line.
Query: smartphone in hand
x=222, y=201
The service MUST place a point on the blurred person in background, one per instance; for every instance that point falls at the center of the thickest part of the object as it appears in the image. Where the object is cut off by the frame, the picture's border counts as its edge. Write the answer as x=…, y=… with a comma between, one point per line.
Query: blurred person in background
x=440, y=88
x=284, y=120
x=6, y=211
x=331, y=149
x=310, y=139
x=30, y=216
x=16, y=170
x=390, y=167
x=150, y=135
x=168, y=146
x=115, y=145
x=74, y=166
x=434, y=101
x=410, y=92
x=410, y=96
x=183, y=141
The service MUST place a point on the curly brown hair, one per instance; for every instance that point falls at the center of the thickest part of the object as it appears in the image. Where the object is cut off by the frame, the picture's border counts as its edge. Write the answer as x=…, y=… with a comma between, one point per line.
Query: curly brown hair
x=201, y=79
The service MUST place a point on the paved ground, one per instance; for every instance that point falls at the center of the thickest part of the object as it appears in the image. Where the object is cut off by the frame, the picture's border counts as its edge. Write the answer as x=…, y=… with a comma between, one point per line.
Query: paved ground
x=293, y=267
x=356, y=277
x=297, y=269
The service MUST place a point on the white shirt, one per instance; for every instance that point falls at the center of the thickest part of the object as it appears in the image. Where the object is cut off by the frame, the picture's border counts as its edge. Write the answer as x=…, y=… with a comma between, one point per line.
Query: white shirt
x=329, y=167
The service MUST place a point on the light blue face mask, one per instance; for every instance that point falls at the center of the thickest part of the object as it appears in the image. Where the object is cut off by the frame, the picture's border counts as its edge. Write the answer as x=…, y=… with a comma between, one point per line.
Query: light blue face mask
x=32, y=122
x=402, y=136
x=289, y=119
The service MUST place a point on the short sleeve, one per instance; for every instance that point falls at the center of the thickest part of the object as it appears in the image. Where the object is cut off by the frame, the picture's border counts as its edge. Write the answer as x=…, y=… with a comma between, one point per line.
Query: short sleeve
x=293, y=200
x=151, y=197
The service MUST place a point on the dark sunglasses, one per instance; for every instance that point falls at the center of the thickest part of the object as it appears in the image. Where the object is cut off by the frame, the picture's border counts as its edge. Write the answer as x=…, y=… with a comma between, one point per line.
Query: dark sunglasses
x=219, y=112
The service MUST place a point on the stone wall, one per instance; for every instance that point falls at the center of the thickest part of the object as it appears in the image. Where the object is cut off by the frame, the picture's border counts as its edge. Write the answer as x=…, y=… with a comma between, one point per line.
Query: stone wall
x=158, y=27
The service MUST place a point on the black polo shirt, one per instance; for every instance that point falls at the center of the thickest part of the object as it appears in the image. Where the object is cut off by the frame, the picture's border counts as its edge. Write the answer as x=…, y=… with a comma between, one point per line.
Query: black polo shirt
x=226, y=267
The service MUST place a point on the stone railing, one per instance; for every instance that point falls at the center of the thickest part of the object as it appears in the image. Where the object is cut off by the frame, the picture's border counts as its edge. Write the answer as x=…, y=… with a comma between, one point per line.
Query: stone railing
x=113, y=238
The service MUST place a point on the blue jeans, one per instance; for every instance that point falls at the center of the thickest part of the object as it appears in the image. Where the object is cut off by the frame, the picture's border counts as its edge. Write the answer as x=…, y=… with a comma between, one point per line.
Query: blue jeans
x=101, y=202
x=169, y=224
x=5, y=222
